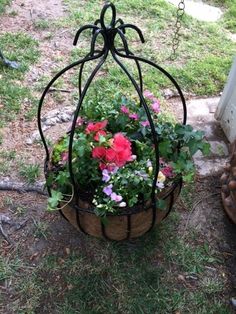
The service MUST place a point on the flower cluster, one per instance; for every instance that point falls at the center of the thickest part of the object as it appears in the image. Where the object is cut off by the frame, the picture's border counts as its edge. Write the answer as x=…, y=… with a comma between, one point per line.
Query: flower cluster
x=114, y=158
x=117, y=154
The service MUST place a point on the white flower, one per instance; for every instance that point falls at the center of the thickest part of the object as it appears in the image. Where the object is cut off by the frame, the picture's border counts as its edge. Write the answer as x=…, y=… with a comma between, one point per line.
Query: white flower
x=122, y=204
x=160, y=185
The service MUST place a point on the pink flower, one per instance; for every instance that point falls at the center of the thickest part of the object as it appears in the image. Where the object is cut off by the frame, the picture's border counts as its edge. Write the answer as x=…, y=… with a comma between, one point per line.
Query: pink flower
x=79, y=121
x=133, y=116
x=64, y=156
x=97, y=126
x=124, y=109
x=145, y=123
x=148, y=94
x=156, y=106
x=167, y=171
x=115, y=197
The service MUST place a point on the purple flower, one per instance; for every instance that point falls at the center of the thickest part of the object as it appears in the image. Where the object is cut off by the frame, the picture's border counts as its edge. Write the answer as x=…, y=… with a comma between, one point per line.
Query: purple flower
x=141, y=174
x=105, y=175
x=149, y=163
x=145, y=123
x=115, y=197
x=113, y=171
x=108, y=190
x=133, y=116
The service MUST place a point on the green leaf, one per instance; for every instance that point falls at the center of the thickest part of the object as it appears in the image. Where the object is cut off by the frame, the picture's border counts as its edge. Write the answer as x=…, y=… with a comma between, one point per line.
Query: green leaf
x=206, y=148
x=54, y=200
x=165, y=148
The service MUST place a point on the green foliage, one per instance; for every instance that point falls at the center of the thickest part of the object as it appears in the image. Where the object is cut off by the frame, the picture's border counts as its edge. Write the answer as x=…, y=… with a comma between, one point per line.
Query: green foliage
x=13, y=95
x=54, y=200
x=3, y=4
x=129, y=182
x=30, y=172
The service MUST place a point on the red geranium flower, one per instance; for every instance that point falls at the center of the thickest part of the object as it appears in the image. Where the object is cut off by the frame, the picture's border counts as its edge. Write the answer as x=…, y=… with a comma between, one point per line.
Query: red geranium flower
x=99, y=152
x=121, y=143
x=110, y=155
x=122, y=147
x=98, y=134
x=94, y=127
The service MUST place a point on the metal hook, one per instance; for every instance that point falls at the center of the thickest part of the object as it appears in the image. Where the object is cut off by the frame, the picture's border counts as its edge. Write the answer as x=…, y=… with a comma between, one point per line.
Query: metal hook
x=81, y=30
x=121, y=23
x=97, y=32
x=135, y=28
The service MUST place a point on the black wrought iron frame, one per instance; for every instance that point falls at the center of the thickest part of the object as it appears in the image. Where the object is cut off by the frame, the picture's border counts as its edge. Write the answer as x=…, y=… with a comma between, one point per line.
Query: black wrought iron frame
x=109, y=33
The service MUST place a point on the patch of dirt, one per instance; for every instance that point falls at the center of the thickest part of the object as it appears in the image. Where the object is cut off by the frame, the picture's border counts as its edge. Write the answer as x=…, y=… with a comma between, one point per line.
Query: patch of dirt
x=213, y=226
x=29, y=11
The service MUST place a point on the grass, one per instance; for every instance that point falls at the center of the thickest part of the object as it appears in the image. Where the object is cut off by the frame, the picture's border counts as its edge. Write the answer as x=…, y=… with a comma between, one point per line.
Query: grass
x=3, y=4
x=22, y=48
x=204, y=56
x=229, y=17
x=41, y=24
x=149, y=275
x=30, y=172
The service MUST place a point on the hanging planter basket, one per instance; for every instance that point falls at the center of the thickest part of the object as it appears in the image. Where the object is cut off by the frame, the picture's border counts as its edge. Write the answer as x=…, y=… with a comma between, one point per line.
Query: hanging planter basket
x=78, y=208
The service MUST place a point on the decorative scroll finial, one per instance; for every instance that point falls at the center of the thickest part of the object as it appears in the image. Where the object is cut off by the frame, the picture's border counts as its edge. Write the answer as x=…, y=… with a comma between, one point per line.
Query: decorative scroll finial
x=109, y=31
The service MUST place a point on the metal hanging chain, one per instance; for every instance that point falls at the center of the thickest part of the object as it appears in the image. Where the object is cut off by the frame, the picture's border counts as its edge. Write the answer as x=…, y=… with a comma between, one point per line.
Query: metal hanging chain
x=176, y=37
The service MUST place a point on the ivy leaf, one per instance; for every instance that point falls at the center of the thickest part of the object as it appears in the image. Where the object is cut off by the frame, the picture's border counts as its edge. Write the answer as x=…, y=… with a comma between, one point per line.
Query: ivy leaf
x=193, y=146
x=54, y=200
x=165, y=148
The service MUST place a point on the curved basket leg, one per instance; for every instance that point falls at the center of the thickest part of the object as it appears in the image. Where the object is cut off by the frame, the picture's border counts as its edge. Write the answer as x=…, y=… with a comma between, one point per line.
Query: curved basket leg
x=41, y=101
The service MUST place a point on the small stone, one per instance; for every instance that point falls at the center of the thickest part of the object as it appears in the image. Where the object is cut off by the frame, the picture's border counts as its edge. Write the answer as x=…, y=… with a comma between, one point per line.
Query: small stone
x=67, y=250
x=181, y=278
x=233, y=301
x=168, y=93
x=64, y=117
x=51, y=122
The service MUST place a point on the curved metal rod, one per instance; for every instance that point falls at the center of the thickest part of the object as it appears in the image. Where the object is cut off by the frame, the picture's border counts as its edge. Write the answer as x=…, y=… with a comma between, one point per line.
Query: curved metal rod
x=135, y=28
x=121, y=23
x=81, y=72
x=126, y=48
x=97, y=22
x=83, y=28
x=139, y=70
x=154, y=134
x=93, y=41
x=164, y=72
x=91, y=77
x=113, y=19
x=84, y=60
